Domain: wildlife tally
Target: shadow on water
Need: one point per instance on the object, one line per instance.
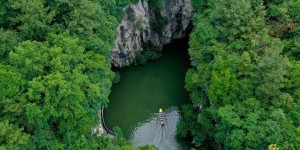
(136, 99)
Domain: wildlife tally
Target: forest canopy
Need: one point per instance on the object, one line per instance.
(55, 72)
(244, 84)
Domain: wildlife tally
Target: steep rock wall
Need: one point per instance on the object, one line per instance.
(146, 27)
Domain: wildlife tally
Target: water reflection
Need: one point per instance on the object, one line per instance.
(151, 132)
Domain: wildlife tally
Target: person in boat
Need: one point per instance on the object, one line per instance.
(161, 117)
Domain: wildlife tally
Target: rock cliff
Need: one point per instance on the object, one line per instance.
(147, 27)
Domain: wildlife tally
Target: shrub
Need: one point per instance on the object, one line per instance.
(141, 59)
(152, 55)
(117, 78)
(140, 25)
(147, 56)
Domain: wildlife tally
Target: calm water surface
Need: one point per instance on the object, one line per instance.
(136, 99)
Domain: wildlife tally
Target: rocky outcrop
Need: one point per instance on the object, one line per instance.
(147, 27)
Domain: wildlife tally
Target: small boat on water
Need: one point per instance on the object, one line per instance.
(162, 118)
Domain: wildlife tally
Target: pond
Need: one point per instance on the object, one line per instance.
(136, 99)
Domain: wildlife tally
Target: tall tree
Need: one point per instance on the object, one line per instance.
(8, 39)
(33, 18)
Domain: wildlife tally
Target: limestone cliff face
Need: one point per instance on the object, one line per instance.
(147, 27)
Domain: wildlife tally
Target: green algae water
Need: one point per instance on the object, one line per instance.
(136, 99)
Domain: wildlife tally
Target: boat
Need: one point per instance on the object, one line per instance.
(162, 118)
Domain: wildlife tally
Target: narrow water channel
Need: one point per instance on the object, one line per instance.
(136, 99)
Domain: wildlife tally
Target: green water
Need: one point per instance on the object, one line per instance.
(136, 99)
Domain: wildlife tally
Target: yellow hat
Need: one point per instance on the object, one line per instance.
(160, 110)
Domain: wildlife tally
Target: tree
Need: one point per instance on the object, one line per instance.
(12, 137)
(88, 20)
(33, 18)
(55, 72)
(8, 40)
(240, 80)
(12, 133)
(62, 100)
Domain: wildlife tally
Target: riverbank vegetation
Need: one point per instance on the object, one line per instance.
(120, 142)
(55, 72)
(147, 56)
(245, 79)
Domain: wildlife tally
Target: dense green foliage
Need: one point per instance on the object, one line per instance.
(157, 21)
(55, 73)
(117, 77)
(245, 79)
(147, 56)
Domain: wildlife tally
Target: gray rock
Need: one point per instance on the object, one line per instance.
(144, 27)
